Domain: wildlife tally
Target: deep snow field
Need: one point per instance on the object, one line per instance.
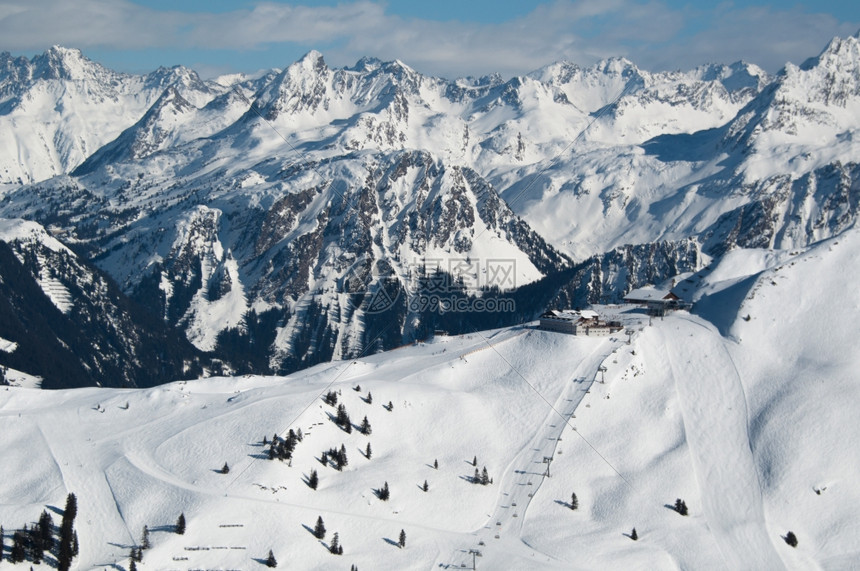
(747, 409)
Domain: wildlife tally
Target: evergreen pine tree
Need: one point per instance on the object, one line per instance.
(633, 535)
(791, 539)
(180, 524)
(37, 546)
(342, 454)
(313, 480)
(265, 441)
(2, 542)
(368, 451)
(68, 537)
(574, 503)
(365, 426)
(319, 529)
(402, 541)
(485, 477)
(64, 555)
(369, 398)
(144, 538)
(475, 461)
(324, 458)
(436, 464)
(299, 435)
(18, 553)
(132, 566)
(270, 560)
(384, 492)
(477, 477)
(426, 486)
(225, 469)
(76, 547)
(71, 510)
(390, 406)
(335, 545)
(46, 529)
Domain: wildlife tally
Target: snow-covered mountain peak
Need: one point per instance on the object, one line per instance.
(616, 66)
(735, 77)
(65, 63)
(840, 54)
(312, 61)
(366, 64)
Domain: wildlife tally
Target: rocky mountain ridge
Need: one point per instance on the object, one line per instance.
(297, 217)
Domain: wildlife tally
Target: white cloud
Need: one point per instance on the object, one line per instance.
(652, 34)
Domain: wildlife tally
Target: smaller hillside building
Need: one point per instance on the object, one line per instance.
(656, 301)
(584, 323)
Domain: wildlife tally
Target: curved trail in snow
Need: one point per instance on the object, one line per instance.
(714, 410)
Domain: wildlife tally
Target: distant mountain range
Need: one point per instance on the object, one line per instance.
(308, 213)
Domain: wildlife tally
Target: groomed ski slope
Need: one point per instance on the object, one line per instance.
(746, 410)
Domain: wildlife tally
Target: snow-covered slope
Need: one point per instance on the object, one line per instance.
(753, 431)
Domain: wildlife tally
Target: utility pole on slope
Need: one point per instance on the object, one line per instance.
(475, 553)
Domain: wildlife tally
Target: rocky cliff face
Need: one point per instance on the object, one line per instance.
(71, 324)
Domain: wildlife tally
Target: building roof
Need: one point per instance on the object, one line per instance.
(565, 314)
(646, 294)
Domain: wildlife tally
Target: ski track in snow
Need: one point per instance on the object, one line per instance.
(523, 477)
(719, 441)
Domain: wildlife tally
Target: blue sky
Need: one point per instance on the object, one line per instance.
(442, 37)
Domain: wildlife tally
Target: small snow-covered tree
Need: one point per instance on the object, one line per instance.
(319, 529)
(475, 461)
(368, 451)
(144, 538)
(485, 477)
(369, 398)
(225, 469)
(791, 539)
(402, 541)
(270, 560)
(335, 545)
(574, 502)
(436, 464)
(633, 535)
(426, 486)
(180, 525)
(313, 480)
(681, 506)
(365, 427)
